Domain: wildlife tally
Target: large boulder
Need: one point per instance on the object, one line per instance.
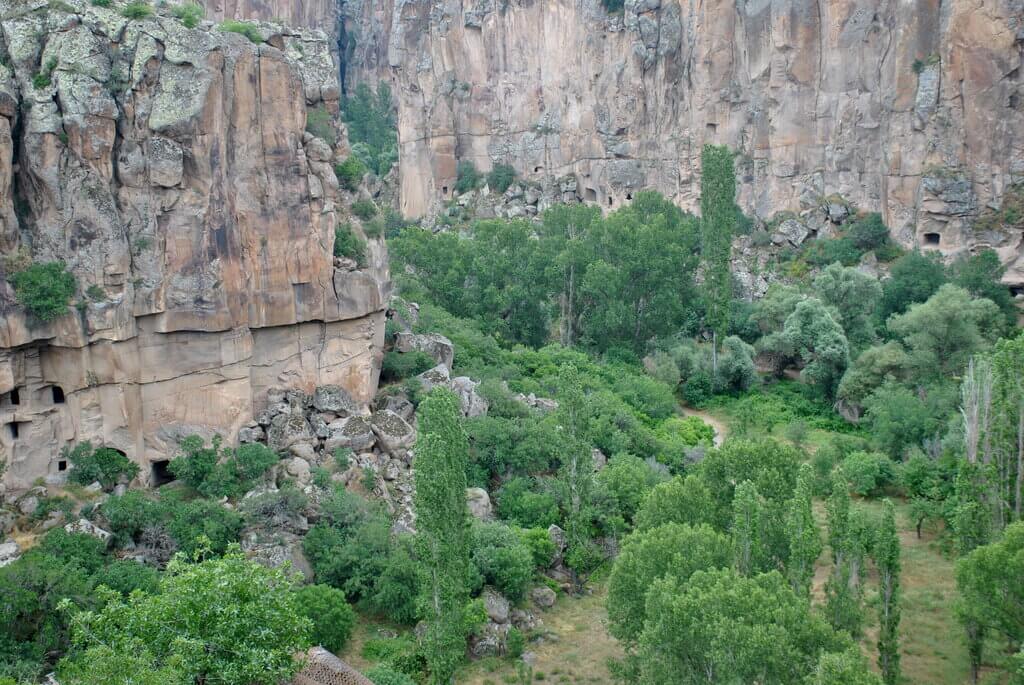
(543, 596)
(335, 399)
(354, 433)
(288, 429)
(9, 552)
(472, 403)
(437, 377)
(496, 606)
(393, 433)
(790, 231)
(276, 548)
(479, 503)
(436, 346)
(88, 528)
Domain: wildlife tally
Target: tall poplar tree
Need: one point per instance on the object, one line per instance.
(746, 528)
(576, 476)
(804, 540)
(442, 523)
(887, 559)
(717, 226)
(842, 592)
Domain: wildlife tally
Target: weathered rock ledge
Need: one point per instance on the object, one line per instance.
(171, 170)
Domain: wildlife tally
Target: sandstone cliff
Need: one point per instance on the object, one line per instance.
(170, 169)
(914, 109)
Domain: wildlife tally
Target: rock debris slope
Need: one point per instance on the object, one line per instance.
(170, 169)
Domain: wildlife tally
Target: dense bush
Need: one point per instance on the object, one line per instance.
(333, 619)
(190, 13)
(401, 365)
(202, 523)
(519, 503)
(540, 544)
(501, 559)
(350, 173)
(221, 473)
(44, 289)
(349, 245)
(868, 472)
(129, 514)
(382, 675)
(126, 576)
(137, 9)
(501, 177)
(467, 175)
(628, 479)
(868, 232)
(364, 209)
(104, 465)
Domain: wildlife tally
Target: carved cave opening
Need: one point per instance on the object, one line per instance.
(932, 239)
(160, 473)
(57, 393)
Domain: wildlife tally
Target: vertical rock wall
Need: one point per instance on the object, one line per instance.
(171, 171)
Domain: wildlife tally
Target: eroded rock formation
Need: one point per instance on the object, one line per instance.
(170, 169)
(912, 109)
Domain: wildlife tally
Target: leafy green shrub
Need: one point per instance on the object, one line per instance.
(100, 3)
(520, 504)
(190, 13)
(199, 523)
(868, 232)
(400, 365)
(128, 576)
(130, 514)
(501, 559)
(250, 31)
(868, 472)
(221, 473)
(501, 177)
(628, 479)
(137, 9)
(78, 549)
(467, 177)
(349, 245)
(44, 289)
(333, 619)
(283, 504)
(364, 209)
(102, 464)
(320, 123)
(697, 388)
(825, 251)
(515, 643)
(350, 173)
(44, 78)
(540, 544)
(382, 675)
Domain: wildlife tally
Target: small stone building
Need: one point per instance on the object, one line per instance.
(323, 668)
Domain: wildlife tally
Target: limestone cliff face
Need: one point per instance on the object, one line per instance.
(170, 169)
(912, 108)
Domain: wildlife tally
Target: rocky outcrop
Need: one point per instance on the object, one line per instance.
(915, 112)
(170, 169)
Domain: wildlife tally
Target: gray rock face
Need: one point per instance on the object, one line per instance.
(543, 597)
(436, 346)
(790, 231)
(437, 377)
(9, 553)
(496, 605)
(336, 399)
(479, 503)
(288, 429)
(393, 433)
(470, 401)
(88, 528)
(354, 433)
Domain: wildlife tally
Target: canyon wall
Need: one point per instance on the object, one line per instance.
(170, 170)
(913, 108)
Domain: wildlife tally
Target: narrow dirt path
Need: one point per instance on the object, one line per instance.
(721, 431)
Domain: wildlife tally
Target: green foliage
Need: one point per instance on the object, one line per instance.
(128, 576)
(350, 173)
(680, 500)
(217, 472)
(887, 559)
(501, 177)
(201, 524)
(748, 550)
(847, 542)
(467, 177)
(252, 32)
(540, 544)
(628, 479)
(442, 522)
(129, 514)
(817, 339)
(501, 559)
(868, 232)
(401, 365)
(190, 14)
(740, 629)
(989, 582)
(372, 128)
(44, 77)
(278, 506)
(332, 618)
(981, 275)
(671, 550)
(822, 251)
(100, 3)
(855, 296)
(520, 503)
(914, 278)
(104, 465)
(717, 227)
(382, 675)
(364, 209)
(44, 289)
(612, 5)
(137, 9)
(348, 244)
(868, 472)
(225, 618)
(802, 530)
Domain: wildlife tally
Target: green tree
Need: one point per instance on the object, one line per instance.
(721, 627)
(680, 500)
(442, 522)
(564, 249)
(842, 589)
(914, 278)
(628, 479)
(332, 617)
(855, 296)
(717, 227)
(1006, 428)
(887, 559)
(872, 368)
(746, 529)
(673, 549)
(576, 476)
(981, 275)
(372, 127)
(816, 337)
(989, 580)
(226, 619)
(804, 539)
(843, 668)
